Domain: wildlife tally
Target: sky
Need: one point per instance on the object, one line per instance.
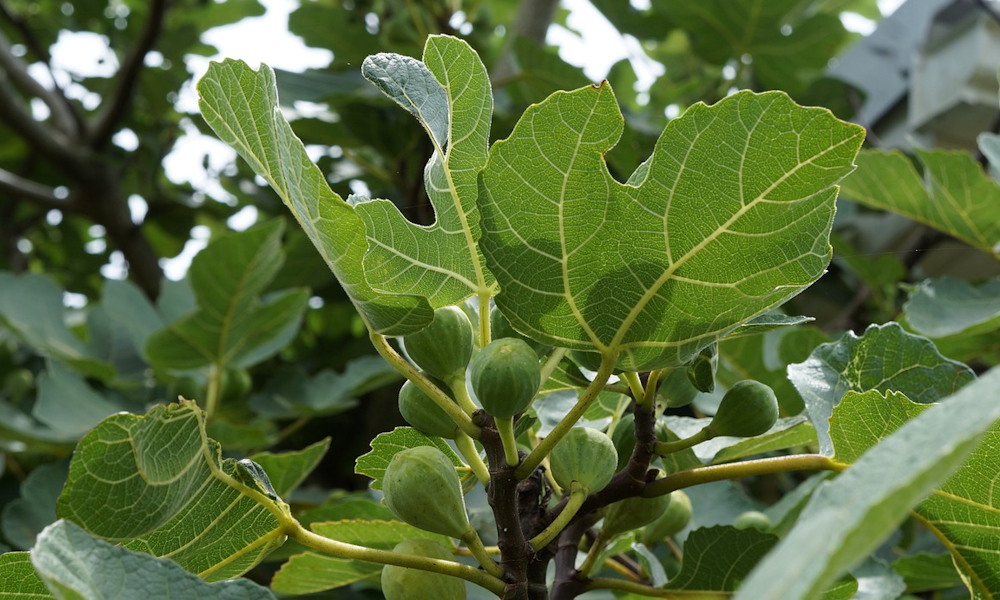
(590, 42)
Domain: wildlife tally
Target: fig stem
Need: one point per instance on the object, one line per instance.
(590, 561)
(297, 532)
(505, 427)
(457, 385)
(664, 448)
(485, 334)
(577, 495)
(468, 449)
(471, 539)
(587, 397)
(399, 363)
(551, 362)
(613, 583)
(649, 399)
(634, 385)
(747, 468)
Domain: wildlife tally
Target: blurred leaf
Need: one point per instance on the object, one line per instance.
(232, 97)
(768, 321)
(952, 195)
(884, 358)
(157, 484)
(31, 306)
(848, 517)
(25, 517)
(75, 565)
(927, 572)
(876, 581)
(787, 433)
(128, 306)
(233, 326)
(67, 404)
(386, 445)
(946, 306)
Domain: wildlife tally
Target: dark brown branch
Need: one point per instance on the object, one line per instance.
(27, 34)
(128, 76)
(27, 189)
(17, 71)
(51, 143)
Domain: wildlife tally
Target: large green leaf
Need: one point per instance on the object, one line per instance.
(449, 94)
(851, 515)
(157, 484)
(310, 572)
(233, 325)
(18, 579)
(241, 105)
(729, 218)
(68, 404)
(963, 513)
(25, 517)
(884, 358)
(946, 306)
(77, 566)
(953, 194)
(31, 306)
(719, 558)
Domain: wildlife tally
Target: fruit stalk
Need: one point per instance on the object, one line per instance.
(588, 396)
(505, 427)
(469, 451)
(577, 495)
(747, 468)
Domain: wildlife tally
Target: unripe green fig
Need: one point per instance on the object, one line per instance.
(753, 519)
(401, 583)
(674, 519)
(701, 370)
(749, 408)
(633, 513)
(623, 437)
(423, 413)
(584, 455)
(444, 347)
(505, 376)
(422, 488)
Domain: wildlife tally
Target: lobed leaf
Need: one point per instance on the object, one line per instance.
(449, 94)
(157, 484)
(241, 106)
(75, 565)
(719, 558)
(848, 517)
(884, 358)
(386, 445)
(728, 218)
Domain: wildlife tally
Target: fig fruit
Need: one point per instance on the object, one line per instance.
(423, 413)
(674, 519)
(584, 455)
(422, 488)
(632, 513)
(749, 408)
(753, 519)
(402, 583)
(701, 370)
(505, 376)
(444, 347)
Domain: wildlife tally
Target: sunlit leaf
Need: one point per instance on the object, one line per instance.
(729, 218)
(241, 105)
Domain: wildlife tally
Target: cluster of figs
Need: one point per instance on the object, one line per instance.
(421, 484)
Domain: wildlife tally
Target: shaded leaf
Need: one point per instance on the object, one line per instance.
(953, 194)
(68, 404)
(241, 105)
(232, 326)
(851, 515)
(26, 516)
(687, 251)
(156, 483)
(925, 572)
(31, 306)
(719, 558)
(884, 358)
(946, 306)
(287, 470)
(75, 565)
